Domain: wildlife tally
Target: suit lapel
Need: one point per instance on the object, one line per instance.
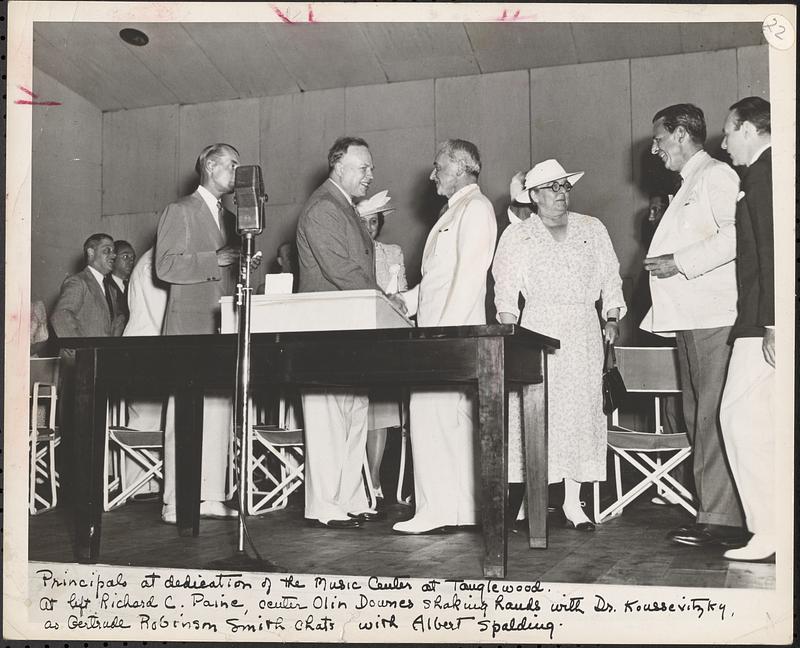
(98, 293)
(209, 224)
(448, 216)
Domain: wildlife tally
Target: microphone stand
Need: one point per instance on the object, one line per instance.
(240, 560)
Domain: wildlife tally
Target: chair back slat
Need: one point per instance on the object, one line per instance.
(649, 369)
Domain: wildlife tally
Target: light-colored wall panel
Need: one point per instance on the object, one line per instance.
(138, 229)
(591, 136)
(139, 156)
(232, 122)
(493, 112)
(296, 132)
(403, 159)
(707, 79)
(66, 176)
(392, 106)
(753, 70)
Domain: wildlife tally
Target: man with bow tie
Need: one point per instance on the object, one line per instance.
(693, 291)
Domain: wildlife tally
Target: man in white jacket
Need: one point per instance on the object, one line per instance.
(457, 255)
(693, 290)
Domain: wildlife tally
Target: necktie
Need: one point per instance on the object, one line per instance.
(107, 290)
(220, 211)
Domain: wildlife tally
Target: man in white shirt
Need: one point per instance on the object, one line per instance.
(693, 290)
(456, 258)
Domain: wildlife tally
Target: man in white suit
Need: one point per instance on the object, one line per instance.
(452, 292)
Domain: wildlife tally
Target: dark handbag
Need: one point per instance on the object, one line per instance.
(613, 385)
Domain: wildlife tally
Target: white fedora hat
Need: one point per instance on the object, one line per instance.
(545, 173)
(380, 202)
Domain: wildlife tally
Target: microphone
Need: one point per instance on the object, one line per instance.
(249, 197)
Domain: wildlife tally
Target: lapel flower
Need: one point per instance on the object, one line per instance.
(740, 196)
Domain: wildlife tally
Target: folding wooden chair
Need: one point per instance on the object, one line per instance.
(651, 370)
(43, 435)
(143, 447)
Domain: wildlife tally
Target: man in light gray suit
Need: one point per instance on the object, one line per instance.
(194, 256)
(335, 252)
(83, 309)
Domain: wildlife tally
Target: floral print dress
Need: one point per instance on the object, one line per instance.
(561, 282)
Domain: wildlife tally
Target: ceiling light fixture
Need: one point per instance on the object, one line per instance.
(134, 37)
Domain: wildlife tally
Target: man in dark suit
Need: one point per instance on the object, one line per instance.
(82, 309)
(335, 252)
(116, 281)
(747, 410)
(195, 257)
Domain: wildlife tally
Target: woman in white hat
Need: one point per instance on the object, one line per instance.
(562, 263)
(390, 273)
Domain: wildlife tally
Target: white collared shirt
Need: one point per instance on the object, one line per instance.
(98, 276)
(118, 281)
(212, 202)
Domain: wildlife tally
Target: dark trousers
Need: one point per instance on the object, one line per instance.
(703, 356)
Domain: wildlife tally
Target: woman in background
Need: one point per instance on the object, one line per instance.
(562, 263)
(390, 273)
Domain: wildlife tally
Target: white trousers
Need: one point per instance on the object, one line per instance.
(336, 444)
(217, 429)
(747, 417)
(443, 447)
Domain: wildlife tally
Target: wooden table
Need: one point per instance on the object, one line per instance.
(481, 358)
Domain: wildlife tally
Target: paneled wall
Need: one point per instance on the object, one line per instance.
(592, 117)
(65, 176)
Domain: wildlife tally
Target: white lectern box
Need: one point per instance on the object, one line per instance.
(316, 311)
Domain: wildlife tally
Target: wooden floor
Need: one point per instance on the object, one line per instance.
(629, 550)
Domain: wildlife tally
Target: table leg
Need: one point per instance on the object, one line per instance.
(188, 458)
(87, 457)
(492, 434)
(534, 425)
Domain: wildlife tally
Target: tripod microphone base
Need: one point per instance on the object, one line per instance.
(240, 561)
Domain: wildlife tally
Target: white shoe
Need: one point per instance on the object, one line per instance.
(168, 515)
(416, 526)
(759, 549)
(216, 510)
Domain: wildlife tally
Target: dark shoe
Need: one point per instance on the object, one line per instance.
(730, 537)
(435, 531)
(581, 526)
(693, 535)
(368, 516)
(146, 497)
(336, 524)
